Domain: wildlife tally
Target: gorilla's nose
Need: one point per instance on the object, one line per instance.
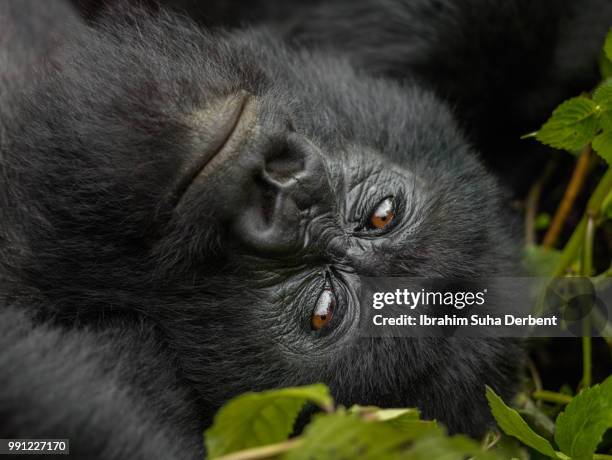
(289, 186)
(264, 184)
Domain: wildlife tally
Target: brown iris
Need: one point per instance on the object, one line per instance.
(324, 310)
(383, 215)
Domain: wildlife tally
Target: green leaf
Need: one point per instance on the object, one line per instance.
(602, 144)
(605, 66)
(257, 419)
(608, 45)
(510, 448)
(606, 207)
(580, 427)
(447, 448)
(540, 261)
(572, 125)
(377, 414)
(603, 94)
(603, 98)
(513, 424)
(346, 435)
(405, 420)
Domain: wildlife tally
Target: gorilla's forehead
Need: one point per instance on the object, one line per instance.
(338, 107)
(154, 77)
(343, 110)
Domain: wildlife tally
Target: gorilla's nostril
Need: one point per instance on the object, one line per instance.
(284, 164)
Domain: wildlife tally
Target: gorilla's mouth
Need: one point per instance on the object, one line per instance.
(215, 127)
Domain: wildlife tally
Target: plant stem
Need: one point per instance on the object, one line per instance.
(586, 356)
(535, 375)
(573, 188)
(551, 396)
(602, 457)
(532, 203)
(586, 270)
(587, 252)
(490, 440)
(572, 248)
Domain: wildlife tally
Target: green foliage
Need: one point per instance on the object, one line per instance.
(513, 424)
(605, 66)
(257, 426)
(603, 94)
(399, 418)
(447, 448)
(262, 422)
(583, 119)
(603, 98)
(605, 60)
(606, 207)
(608, 45)
(345, 435)
(602, 144)
(256, 419)
(578, 430)
(586, 418)
(573, 125)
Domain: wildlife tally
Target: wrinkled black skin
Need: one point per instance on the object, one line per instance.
(130, 314)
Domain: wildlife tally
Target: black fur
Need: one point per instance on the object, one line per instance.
(503, 66)
(110, 391)
(141, 311)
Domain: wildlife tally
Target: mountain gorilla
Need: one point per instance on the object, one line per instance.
(185, 215)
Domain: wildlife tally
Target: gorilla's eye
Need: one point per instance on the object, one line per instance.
(383, 215)
(324, 310)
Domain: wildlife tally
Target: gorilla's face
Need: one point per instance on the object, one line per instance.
(233, 193)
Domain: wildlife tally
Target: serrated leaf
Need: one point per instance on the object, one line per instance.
(572, 125)
(603, 98)
(608, 45)
(346, 435)
(257, 419)
(602, 144)
(605, 120)
(580, 427)
(603, 94)
(513, 424)
(540, 261)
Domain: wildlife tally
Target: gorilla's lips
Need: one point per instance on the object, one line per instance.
(214, 128)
